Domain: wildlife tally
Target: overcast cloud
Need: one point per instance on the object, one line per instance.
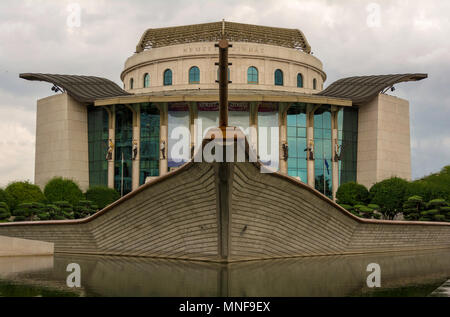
(410, 36)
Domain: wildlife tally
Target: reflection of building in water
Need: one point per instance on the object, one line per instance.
(170, 83)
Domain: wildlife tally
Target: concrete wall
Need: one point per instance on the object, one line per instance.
(383, 140)
(20, 247)
(180, 58)
(61, 140)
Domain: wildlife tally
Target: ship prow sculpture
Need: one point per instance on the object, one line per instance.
(229, 210)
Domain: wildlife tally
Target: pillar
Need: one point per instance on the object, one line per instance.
(111, 138)
(193, 115)
(334, 144)
(310, 110)
(135, 109)
(282, 122)
(164, 139)
(253, 124)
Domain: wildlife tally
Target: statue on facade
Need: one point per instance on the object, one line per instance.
(310, 150)
(285, 151)
(134, 152)
(163, 150)
(337, 152)
(109, 153)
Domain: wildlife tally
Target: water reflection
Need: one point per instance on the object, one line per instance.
(417, 274)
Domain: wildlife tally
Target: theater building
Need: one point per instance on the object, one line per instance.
(97, 133)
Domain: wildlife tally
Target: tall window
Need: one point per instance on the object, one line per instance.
(98, 137)
(279, 77)
(300, 80)
(131, 83)
(194, 75)
(179, 135)
(146, 80)
(252, 75)
(123, 146)
(150, 149)
(348, 142)
(314, 84)
(268, 136)
(167, 77)
(323, 150)
(296, 133)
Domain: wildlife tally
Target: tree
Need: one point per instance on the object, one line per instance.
(102, 196)
(413, 207)
(390, 195)
(24, 192)
(85, 208)
(352, 194)
(6, 198)
(60, 189)
(4, 212)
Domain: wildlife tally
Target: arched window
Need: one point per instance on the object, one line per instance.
(131, 83)
(167, 77)
(146, 80)
(252, 75)
(194, 75)
(300, 80)
(279, 77)
(314, 84)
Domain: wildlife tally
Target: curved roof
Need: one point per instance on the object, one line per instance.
(362, 89)
(234, 32)
(85, 89)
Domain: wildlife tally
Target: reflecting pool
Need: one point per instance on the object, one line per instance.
(402, 274)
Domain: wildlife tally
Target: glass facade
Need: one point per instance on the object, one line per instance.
(124, 144)
(150, 130)
(239, 116)
(296, 134)
(194, 75)
(208, 115)
(348, 142)
(179, 135)
(252, 75)
(98, 134)
(323, 150)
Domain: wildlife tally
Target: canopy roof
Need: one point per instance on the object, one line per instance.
(361, 89)
(234, 32)
(85, 89)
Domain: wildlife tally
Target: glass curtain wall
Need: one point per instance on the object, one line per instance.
(150, 130)
(348, 142)
(124, 144)
(239, 116)
(98, 134)
(179, 135)
(323, 150)
(296, 134)
(208, 116)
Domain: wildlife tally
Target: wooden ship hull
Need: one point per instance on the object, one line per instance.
(226, 212)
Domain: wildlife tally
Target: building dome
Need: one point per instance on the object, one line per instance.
(184, 57)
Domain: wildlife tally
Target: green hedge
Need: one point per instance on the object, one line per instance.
(102, 196)
(24, 192)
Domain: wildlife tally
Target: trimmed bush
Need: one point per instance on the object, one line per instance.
(85, 208)
(348, 207)
(352, 194)
(24, 192)
(412, 208)
(102, 196)
(66, 210)
(60, 189)
(4, 211)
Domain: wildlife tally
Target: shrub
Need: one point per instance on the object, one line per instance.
(4, 211)
(6, 198)
(389, 195)
(348, 207)
(352, 194)
(66, 210)
(364, 211)
(60, 189)
(102, 196)
(413, 207)
(24, 192)
(85, 208)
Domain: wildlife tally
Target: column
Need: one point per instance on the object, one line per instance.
(164, 139)
(282, 122)
(253, 124)
(135, 109)
(111, 140)
(334, 145)
(310, 109)
(193, 115)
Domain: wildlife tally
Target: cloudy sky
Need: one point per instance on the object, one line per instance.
(351, 37)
